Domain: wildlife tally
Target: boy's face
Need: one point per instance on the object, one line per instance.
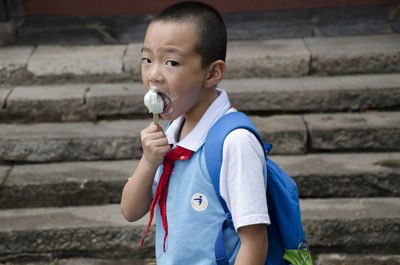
(172, 67)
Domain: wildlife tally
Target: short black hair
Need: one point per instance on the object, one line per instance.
(212, 34)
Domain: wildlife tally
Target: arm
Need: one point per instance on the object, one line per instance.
(137, 193)
(254, 245)
(242, 186)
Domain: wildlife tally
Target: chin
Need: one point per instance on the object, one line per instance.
(172, 114)
(169, 116)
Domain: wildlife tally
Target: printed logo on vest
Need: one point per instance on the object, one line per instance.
(199, 202)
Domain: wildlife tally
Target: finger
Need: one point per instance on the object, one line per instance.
(152, 128)
(156, 127)
(154, 136)
(156, 153)
(147, 135)
(149, 143)
(156, 144)
(160, 142)
(165, 149)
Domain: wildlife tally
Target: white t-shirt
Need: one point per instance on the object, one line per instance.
(241, 179)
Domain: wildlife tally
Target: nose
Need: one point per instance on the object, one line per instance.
(155, 73)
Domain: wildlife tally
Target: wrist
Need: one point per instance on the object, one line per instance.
(149, 164)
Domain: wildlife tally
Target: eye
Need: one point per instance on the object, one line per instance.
(172, 63)
(145, 60)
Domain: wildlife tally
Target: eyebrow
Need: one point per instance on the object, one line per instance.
(144, 49)
(166, 50)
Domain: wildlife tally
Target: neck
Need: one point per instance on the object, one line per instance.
(193, 116)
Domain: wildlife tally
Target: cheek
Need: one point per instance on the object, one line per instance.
(185, 98)
(188, 98)
(143, 71)
(188, 92)
(188, 82)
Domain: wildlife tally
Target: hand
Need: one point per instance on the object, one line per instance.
(155, 145)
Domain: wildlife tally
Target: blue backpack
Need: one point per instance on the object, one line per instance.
(287, 243)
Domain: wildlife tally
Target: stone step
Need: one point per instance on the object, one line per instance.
(322, 259)
(366, 131)
(315, 93)
(262, 58)
(95, 231)
(89, 102)
(331, 225)
(118, 140)
(64, 184)
(48, 260)
(101, 182)
(340, 259)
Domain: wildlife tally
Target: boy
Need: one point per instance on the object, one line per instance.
(183, 59)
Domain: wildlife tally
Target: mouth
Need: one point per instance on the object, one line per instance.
(164, 97)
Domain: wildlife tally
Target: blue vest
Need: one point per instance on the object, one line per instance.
(194, 215)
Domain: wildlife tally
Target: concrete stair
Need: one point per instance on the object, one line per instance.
(100, 182)
(70, 118)
(94, 101)
(263, 58)
(346, 225)
(120, 139)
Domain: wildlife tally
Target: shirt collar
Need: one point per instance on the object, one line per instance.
(196, 138)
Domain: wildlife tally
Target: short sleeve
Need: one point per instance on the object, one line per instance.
(242, 180)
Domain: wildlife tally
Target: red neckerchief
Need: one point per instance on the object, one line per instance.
(179, 153)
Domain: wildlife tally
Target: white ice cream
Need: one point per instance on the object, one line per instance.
(154, 102)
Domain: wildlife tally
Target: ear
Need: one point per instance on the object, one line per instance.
(216, 72)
